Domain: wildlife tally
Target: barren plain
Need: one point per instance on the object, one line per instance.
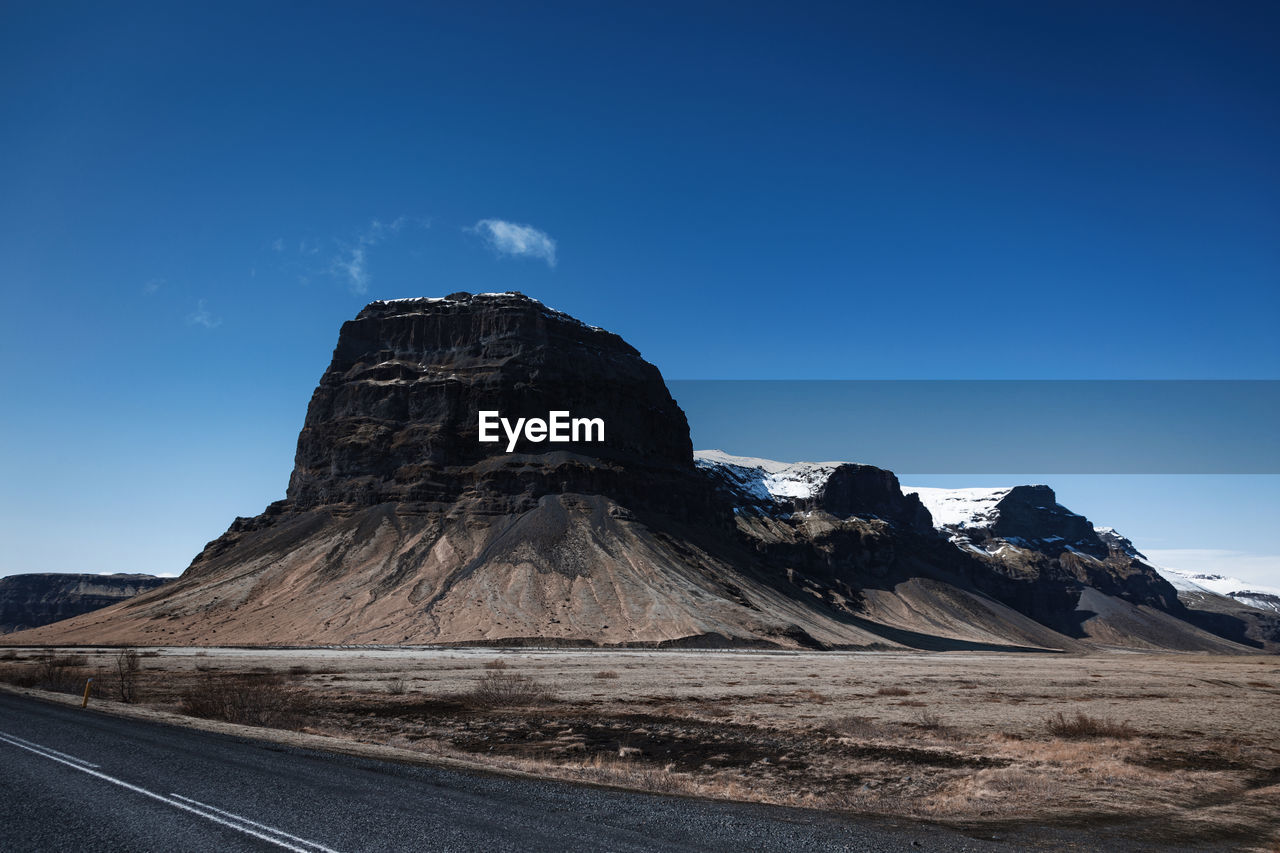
(1177, 749)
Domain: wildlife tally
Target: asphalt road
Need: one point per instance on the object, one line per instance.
(83, 780)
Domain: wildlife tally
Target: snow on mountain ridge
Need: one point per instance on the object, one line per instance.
(968, 517)
(448, 299)
(1198, 583)
(1251, 594)
(766, 479)
(404, 301)
(770, 480)
(1114, 539)
(959, 508)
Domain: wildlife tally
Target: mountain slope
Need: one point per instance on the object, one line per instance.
(1241, 591)
(1226, 606)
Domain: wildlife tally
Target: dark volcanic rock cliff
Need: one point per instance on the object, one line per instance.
(1033, 513)
(31, 600)
(401, 526)
(395, 417)
(867, 491)
(1027, 529)
(842, 489)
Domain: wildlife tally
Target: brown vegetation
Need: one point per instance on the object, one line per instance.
(508, 689)
(1082, 725)
(60, 673)
(892, 691)
(253, 699)
(128, 666)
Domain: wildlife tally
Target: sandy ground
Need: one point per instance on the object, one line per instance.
(1184, 748)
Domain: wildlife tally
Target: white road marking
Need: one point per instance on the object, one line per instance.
(70, 761)
(47, 749)
(243, 819)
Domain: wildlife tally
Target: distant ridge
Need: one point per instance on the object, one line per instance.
(32, 600)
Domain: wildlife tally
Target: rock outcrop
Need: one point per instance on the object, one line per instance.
(1027, 530)
(32, 600)
(867, 492)
(841, 489)
(395, 417)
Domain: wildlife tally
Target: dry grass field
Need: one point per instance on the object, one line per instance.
(1181, 748)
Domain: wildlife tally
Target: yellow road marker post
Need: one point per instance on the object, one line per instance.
(87, 684)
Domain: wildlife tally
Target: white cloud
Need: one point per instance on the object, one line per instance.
(202, 317)
(352, 263)
(510, 238)
(152, 286)
(379, 231)
(277, 244)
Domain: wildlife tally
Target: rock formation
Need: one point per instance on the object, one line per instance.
(31, 600)
(394, 419)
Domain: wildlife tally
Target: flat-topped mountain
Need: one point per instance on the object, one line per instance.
(401, 525)
(395, 416)
(31, 600)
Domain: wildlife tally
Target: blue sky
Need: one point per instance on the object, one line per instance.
(197, 195)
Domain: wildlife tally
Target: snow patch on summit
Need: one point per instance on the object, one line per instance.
(765, 479)
(959, 508)
(408, 301)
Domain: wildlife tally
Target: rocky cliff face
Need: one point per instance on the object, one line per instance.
(31, 600)
(1028, 531)
(401, 526)
(1032, 513)
(841, 489)
(395, 416)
